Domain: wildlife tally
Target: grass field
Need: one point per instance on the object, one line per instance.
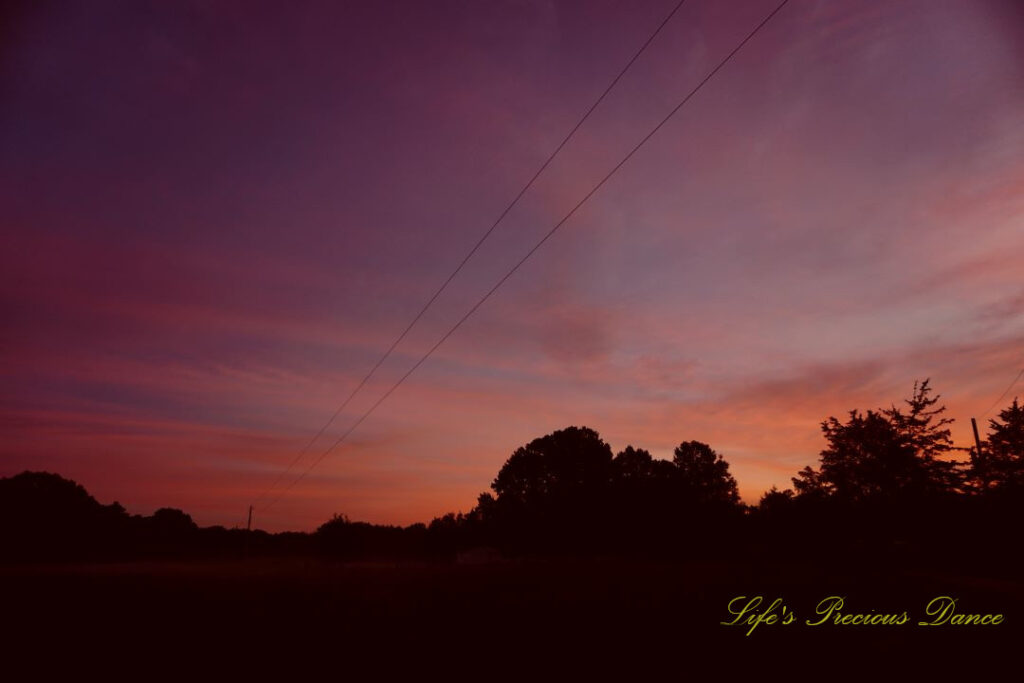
(545, 616)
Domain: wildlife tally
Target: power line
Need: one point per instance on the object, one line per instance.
(1003, 395)
(530, 253)
(458, 269)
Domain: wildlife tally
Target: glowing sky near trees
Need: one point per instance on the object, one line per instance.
(216, 216)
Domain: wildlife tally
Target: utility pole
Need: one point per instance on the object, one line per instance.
(248, 527)
(977, 439)
(248, 533)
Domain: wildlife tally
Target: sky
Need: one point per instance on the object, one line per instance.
(216, 216)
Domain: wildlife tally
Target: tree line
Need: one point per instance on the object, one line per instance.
(889, 480)
(880, 469)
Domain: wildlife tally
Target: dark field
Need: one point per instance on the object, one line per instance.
(544, 618)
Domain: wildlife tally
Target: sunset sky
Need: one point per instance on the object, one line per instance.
(218, 215)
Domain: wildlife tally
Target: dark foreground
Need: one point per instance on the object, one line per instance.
(545, 619)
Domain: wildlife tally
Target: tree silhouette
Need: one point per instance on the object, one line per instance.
(173, 522)
(866, 459)
(44, 515)
(562, 467)
(1000, 466)
(809, 484)
(776, 502)
(703, 475)
(632, 464)
(891, 454)
(643, 492)
(930, 440)
(553, 492)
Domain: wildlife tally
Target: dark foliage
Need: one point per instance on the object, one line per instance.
(703, 476)
(888, 455)
(564, 492)
(44, 516)
(923, 427)
(886, 487)
(999, 468)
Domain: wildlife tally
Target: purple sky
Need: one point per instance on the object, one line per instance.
(217, 216)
